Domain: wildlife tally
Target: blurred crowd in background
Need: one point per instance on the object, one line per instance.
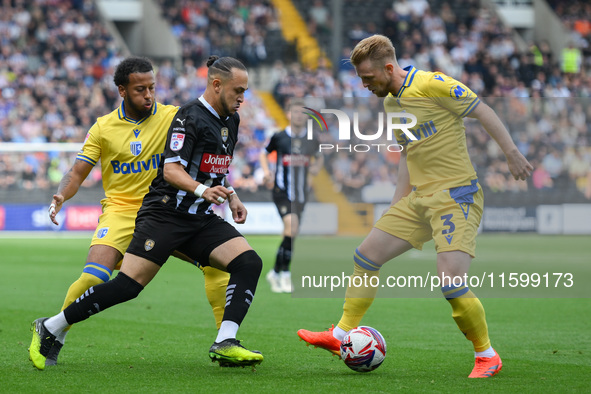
(57, 62)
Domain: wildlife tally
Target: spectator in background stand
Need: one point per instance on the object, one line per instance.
(319, 16)
(571, 59)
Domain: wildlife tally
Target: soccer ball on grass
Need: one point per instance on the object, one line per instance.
(363, 349)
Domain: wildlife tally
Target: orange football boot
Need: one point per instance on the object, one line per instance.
(323, 339)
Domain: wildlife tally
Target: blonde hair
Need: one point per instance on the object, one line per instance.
(375, 48)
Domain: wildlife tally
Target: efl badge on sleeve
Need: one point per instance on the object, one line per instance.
(224, 132)
(84, 143)
(176, 141)
(135, 147)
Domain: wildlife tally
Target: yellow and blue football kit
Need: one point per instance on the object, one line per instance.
(446, 201)
(129, 152)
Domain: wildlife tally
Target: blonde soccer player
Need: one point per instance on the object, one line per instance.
(437, 195)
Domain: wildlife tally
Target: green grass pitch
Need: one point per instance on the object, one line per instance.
(158, 342)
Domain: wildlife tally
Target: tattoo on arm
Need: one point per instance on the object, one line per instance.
(65, 182)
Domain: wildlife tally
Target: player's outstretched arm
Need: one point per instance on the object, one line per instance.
(68, 187)
(518, 165)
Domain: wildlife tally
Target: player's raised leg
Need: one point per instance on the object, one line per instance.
(378, 248)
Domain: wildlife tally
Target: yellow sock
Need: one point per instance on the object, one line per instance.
(469, 315)
(216, 282)
(360, 294)
(93, 274)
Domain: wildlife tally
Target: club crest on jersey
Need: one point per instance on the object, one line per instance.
(102, 232)
(176, 141)
(149, 244)
(135, 147)
(224, 132)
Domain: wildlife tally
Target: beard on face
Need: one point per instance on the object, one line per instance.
(139, 110)
(228, 110)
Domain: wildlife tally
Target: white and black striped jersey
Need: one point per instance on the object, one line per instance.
(294, 155)
(204, 144)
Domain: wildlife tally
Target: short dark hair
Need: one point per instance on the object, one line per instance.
(222, 66)
(131, 65)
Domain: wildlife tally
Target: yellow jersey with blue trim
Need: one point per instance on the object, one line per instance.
(437, 157)
(129, 151)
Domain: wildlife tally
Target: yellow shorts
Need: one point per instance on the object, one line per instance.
(115, 229)
(449, 217)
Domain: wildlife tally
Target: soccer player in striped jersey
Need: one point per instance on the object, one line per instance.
(177, 214)
(128, 143)
(296, 158)
(437, 195)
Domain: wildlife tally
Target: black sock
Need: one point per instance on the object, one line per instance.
(100, 297)
(286, 250)
(244, 274)
(283, 259)
(278, 260)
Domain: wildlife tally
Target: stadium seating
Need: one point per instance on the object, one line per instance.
(57, 62)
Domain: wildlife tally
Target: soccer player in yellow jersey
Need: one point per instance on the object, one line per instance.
(437, 195)
(128, 143)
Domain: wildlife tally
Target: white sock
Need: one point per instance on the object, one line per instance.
(228, 329)
(490, 352)
(62, 337)
(339, 333)
(56, 324)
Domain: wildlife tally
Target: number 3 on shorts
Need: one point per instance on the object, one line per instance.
(447, 222)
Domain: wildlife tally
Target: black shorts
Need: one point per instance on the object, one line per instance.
(159, 232)
(285, 206)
